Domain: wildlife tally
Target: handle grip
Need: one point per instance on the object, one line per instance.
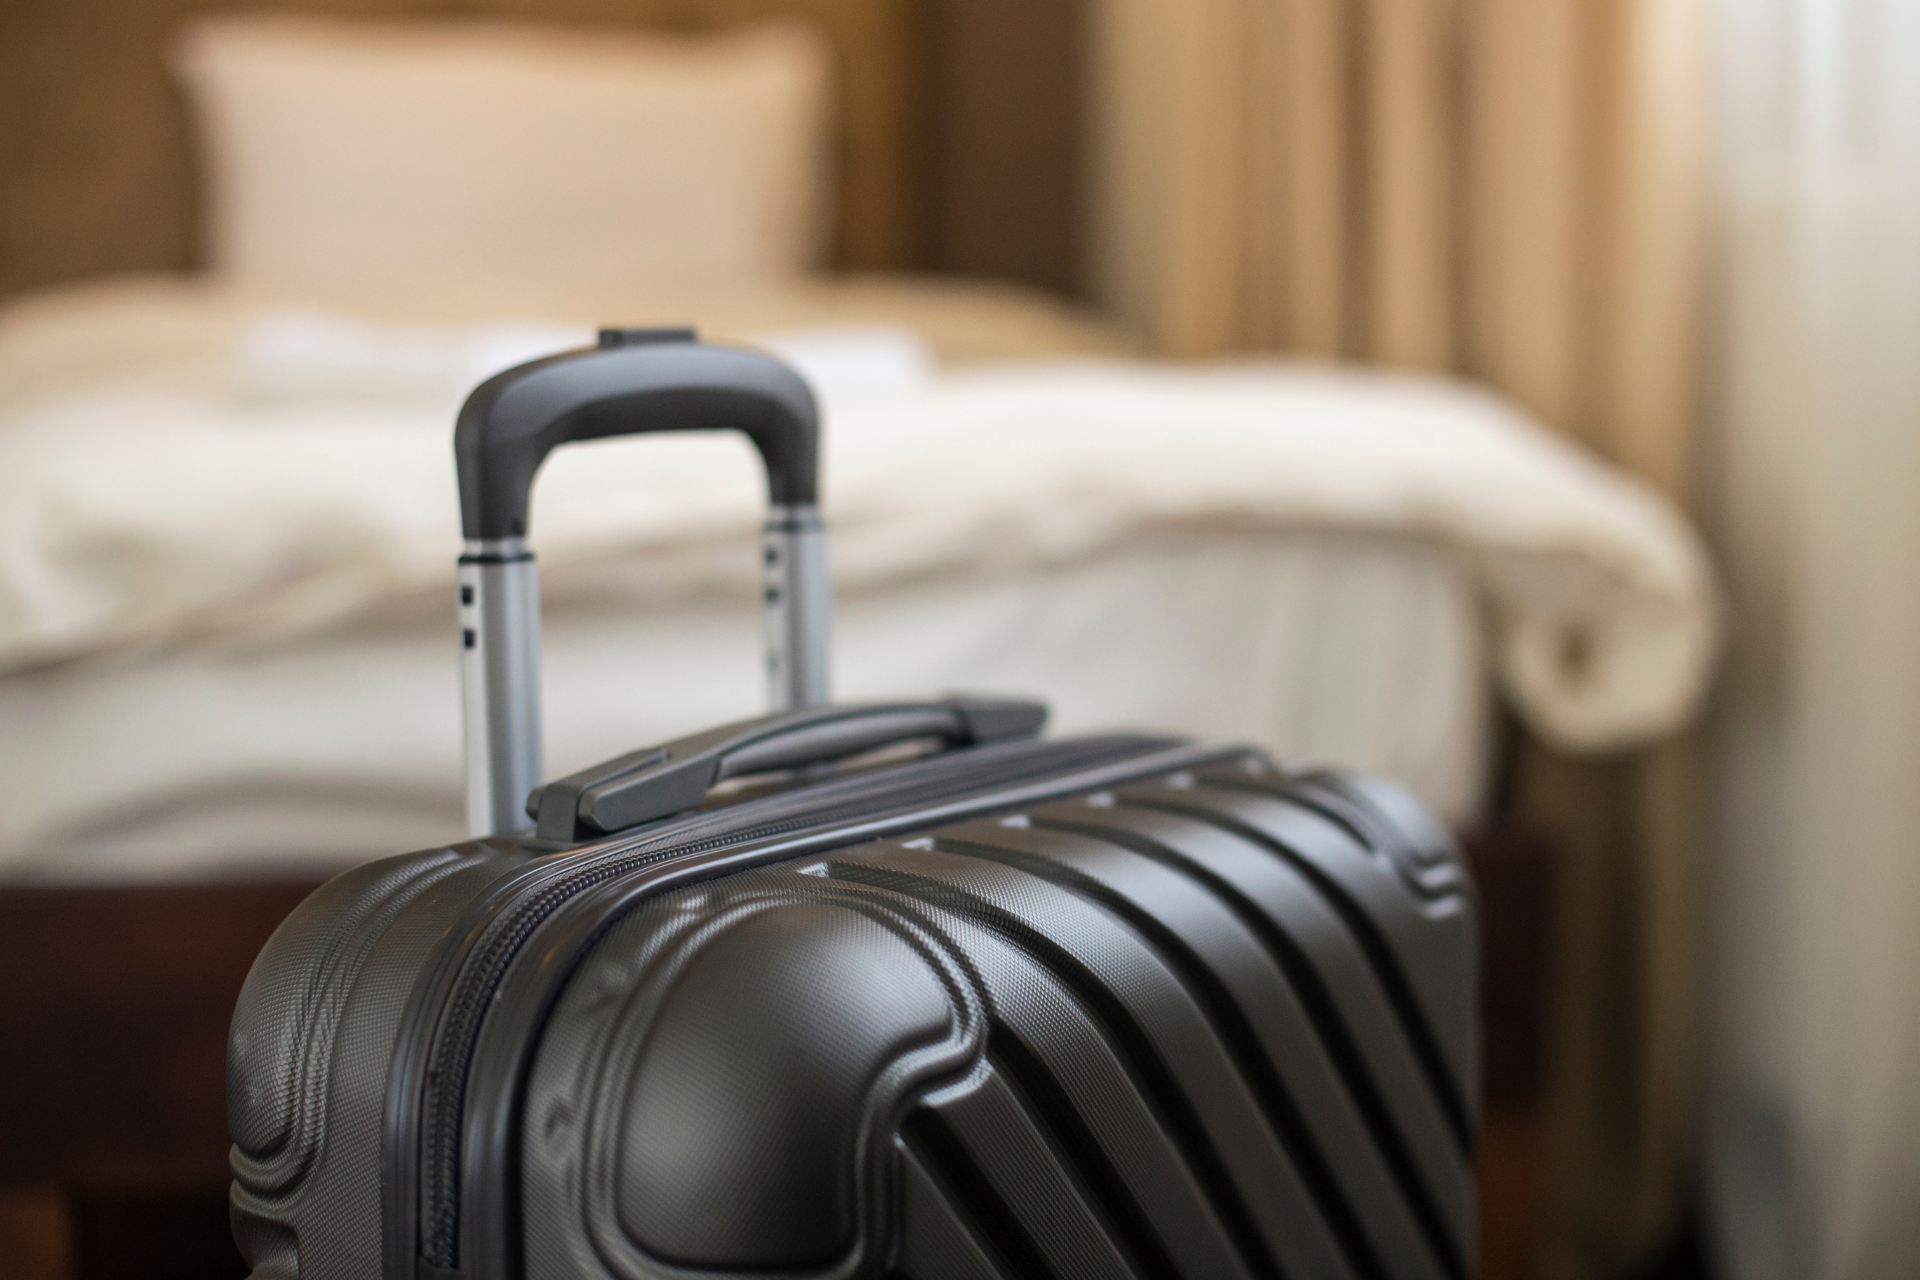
(634, 382)
(654, 782)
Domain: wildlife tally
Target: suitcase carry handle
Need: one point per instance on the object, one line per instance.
(634, 381)
(655, 782)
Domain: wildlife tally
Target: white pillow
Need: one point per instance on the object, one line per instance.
(385, 153)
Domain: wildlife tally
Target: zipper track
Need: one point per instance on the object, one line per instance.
(485, 966)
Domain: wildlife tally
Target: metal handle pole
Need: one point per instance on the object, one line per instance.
(634, 382)
(500, 683)
(799, 601)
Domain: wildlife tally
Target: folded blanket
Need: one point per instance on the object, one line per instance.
(302, 353)
(186, 499)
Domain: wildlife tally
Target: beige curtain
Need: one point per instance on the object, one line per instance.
(1511, 190)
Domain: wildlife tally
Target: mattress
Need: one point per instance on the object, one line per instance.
(298, 758)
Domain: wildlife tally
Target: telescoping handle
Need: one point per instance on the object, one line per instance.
(634, 381)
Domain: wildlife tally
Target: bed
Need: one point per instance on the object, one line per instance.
(227, 643)
(199, 711)
(226, 640)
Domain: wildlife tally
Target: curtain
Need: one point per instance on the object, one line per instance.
(1507, 189)
(1814, 1129)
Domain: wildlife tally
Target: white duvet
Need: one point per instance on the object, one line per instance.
(170, 489)
(227, 533)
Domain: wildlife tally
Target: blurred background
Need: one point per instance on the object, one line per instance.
(1516, 397)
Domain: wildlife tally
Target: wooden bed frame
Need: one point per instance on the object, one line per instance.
(959, 140)
(114, 1012)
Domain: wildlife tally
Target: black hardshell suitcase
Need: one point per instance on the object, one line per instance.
(1103, 1006)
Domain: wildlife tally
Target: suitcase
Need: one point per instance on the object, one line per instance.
(851, 990)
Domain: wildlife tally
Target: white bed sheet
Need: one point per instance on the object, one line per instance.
(298, 757)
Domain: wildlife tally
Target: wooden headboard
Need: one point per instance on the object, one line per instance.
(958, 138)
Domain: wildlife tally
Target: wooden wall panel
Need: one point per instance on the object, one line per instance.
(96, 170)
(958, 131)
(1004, 140)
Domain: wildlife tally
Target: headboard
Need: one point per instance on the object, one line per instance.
(958, 141)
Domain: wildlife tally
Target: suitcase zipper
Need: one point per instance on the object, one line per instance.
(496, 943)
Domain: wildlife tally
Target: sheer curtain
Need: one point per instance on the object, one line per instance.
(1814, 1150)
